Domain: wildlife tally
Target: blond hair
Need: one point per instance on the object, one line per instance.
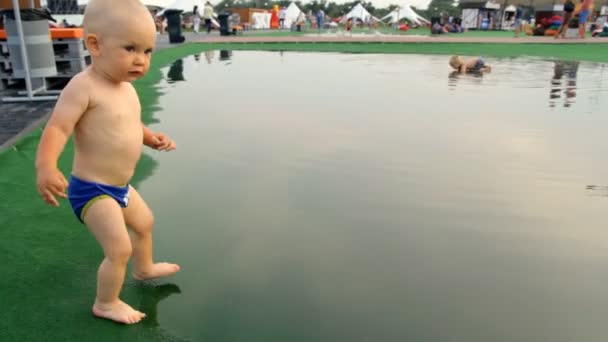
(455, 62)
(103, 16)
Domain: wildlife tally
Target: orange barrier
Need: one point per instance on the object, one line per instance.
(66, 33)
(57, 33)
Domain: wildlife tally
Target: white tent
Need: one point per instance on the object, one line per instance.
(405, 12)
(358, 12)
(291, 14)
(261, 21)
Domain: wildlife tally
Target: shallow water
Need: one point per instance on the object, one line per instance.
(337, 197)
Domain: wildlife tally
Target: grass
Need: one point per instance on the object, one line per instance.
(557, 51)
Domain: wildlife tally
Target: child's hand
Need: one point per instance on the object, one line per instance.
(51, 183)
(161, 142)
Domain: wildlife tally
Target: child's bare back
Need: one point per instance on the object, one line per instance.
(475, 64)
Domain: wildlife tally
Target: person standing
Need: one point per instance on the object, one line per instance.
(519, 15)
(196, 19)
(282, 15)
(320, 18)
(208, 16)
(568, 10)
(583, 16)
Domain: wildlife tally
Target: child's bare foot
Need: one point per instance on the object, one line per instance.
(119, 312)
(158, 270)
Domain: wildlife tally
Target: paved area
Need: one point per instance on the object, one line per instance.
(19, 118)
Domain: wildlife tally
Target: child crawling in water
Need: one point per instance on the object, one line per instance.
(475, 64)
(101, 108)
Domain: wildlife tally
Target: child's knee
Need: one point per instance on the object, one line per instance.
(144, 224)
(120, 253)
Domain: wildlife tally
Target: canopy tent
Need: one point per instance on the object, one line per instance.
(358, 12)
(291, 14)
(260, 20)
(405, 12)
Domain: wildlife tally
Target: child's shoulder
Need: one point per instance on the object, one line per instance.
(81, 80)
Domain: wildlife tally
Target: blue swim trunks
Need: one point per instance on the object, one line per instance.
(82, 194)
(479, 65)
(583, 15)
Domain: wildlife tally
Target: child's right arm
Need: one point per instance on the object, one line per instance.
(72, 103)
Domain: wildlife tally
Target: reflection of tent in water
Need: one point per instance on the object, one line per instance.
(176, 71)
(405, 12)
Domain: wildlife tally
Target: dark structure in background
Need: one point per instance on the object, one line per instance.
(174, 26)
(64, 7)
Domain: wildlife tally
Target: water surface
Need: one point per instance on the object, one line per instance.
(337, 197)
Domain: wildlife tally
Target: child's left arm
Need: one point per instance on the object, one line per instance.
(157, 140)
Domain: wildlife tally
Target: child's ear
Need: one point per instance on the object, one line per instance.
(92, 43)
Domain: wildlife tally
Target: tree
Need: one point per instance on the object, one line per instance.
(438, 8)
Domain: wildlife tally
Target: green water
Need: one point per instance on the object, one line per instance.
(335, 197)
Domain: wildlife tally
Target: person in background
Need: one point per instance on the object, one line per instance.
(320, 18)
(208, 16)
(282, 15)
(583, 16)
(569, 7)
(519, 15)
(196, 19)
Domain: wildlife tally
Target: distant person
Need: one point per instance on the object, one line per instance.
(301, 21)
(320, 19)
(437, 28)
(569, 7)
(519, 16)
(583, 16)
(100, 107)
(196, 20)
(282, 15)
(475, 64)
(208, 16)
(349, 25)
